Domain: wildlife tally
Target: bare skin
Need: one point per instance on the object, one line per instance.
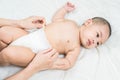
(47, 57)
(67, 35)
(11, 34)
(11, 30)
(69, 45)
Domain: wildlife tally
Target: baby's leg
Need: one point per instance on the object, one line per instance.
(9, 34)
(16, 55)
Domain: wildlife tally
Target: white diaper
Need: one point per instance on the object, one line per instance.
(36, 41)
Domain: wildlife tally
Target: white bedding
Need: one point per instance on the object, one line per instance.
(102, 63)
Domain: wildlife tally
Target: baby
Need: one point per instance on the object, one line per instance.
(64, 35)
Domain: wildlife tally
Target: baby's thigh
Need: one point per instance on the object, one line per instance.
(9, 34)
(17, 55)
(2, 45)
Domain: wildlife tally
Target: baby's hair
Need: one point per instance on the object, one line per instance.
(100, 20)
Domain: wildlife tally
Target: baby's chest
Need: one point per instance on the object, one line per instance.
(64, 45)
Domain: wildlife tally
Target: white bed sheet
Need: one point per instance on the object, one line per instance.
(102, 63)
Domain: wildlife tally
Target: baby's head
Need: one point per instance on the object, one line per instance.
(94, 32)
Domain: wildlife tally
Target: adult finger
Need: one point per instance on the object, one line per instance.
(41, 20)
(44, 21)
(40, 23)
(46, 50)
(55, 56)
(52, 52)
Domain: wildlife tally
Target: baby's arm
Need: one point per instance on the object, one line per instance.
(59, 15)
(68, 61)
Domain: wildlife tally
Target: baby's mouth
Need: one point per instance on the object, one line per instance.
(88, 42)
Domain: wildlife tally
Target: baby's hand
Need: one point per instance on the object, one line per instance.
(69, 7)
(32, 22)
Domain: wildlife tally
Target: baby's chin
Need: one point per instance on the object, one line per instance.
(87, 47)
(83, 45)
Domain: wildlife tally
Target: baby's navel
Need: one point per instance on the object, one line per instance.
(68, 41)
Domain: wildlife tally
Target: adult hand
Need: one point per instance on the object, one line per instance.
(32, 22)
(44, 60)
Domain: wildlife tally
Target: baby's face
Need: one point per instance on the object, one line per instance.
(94, 35)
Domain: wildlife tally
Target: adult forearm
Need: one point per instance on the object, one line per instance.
(42, 61)
(25, 74)
(8, 22)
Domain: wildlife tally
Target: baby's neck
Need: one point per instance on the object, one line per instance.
(80, 32)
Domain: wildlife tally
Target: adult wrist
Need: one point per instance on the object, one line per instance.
(19, 23)
(33, 69)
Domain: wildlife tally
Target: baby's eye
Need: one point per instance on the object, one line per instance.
(97, 35)
(97, 43)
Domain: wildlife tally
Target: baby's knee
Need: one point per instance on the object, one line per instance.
(5, 36)
(7, 53)
(2, 45)
(4, 57)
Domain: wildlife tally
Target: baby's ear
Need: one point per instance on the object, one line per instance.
(88, 22)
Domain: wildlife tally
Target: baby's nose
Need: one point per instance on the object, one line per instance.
(92, 41)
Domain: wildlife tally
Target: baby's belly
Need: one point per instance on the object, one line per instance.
(36, 41)
(57, 39)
